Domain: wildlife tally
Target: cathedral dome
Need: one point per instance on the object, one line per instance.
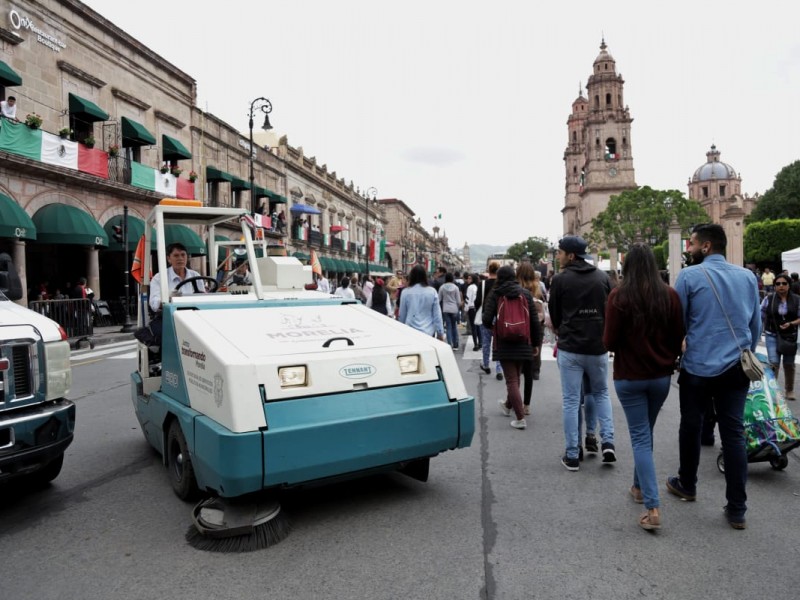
(714, 168)
(604, 56)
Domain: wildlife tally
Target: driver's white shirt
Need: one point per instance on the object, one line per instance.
(174, 279)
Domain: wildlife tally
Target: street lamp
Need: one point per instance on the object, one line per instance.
(370, 194)
(264, 106)
(553, 257)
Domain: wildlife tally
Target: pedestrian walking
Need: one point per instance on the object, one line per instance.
(781, 315)
(526, 276)
(419, 305)
(484, 291)
(644, 329)
(577, 303)
(472, 292)
(722, 313)
(451, 302)
(512, 349)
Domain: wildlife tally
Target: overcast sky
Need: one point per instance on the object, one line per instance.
(460, 108)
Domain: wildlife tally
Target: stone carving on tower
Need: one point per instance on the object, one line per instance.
(598, 158)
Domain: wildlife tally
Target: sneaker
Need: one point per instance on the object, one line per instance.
(580, 454)
(486, 370)
(519, 424)
(591, 443)
(674, 486)
(527, 409)
(609, 455)
(735, 522)
(499, 377)
(570, 464)
(506, 410)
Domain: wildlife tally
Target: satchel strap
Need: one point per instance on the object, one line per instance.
(730, 325)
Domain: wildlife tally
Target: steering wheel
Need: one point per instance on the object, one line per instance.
(193, 280)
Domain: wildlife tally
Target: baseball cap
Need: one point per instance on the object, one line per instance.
(574, 244)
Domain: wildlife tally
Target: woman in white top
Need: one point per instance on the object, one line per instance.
(344, 289)
(469, 304)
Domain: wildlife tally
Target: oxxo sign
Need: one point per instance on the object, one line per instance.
(20, 232)
(19, 21)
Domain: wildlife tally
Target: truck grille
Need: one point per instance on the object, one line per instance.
(17, 382)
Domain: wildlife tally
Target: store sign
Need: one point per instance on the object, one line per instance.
(23, 22)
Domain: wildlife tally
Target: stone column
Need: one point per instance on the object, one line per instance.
(733, 224)
(93, 272)
(19, 263)
(675, 251)
(613, 259)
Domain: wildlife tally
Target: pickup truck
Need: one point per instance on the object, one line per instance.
(36, 419)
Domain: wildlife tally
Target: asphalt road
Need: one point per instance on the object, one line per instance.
(502, 519)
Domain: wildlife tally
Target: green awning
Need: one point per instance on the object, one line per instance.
(301, 256)
(8, 76)
(351, 266)
(214, 174)
(276, 198)
(172, 149)
(327, 263)
(262, 192)
(239, 184)
(86, 110)
(182, 234)
(135, 134)
(64, 224)
(135, 232)
(14, 221)
(341, 265)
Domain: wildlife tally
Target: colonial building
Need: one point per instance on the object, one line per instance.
(718, 188)
(599, 156)
(105, 123)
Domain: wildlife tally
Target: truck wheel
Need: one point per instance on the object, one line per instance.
(46, 474)
(179, 464)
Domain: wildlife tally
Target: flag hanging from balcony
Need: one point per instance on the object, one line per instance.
(46, 147)
(316, 266)
(165, 184)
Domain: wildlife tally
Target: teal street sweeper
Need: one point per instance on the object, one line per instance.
(251, 387)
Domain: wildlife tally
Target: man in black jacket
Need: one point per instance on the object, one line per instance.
(577, 308)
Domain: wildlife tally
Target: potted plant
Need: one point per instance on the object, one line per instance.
(113, 150)
(164, 169)
(192, 176)
(176, 170)
(88, 141)
(33, 120)
(65, 132)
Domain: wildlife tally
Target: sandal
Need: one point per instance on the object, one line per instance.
(651, 520)
(637, 495)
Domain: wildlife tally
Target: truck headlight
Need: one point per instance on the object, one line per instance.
(408, 364)
(58, 373)
(292, 376)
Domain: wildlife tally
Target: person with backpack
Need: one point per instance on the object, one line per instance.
(509, 311)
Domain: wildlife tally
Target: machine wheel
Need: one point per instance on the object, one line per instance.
(46, 474)
(721, 463)
(779, 463)
(179, 464)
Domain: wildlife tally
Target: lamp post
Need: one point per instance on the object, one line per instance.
(370, 194)
(264, 106)
(553, 258)
(128, 326)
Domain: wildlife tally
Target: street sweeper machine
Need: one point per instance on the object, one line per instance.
(269, 384)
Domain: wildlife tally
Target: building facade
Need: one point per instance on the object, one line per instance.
(599, 156)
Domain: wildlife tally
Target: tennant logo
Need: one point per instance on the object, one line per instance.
(361, 371)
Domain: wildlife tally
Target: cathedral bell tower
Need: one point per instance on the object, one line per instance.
(598, 158)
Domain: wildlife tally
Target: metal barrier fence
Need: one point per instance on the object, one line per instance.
(74, 315)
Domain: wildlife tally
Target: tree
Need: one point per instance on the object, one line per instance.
(782, 200)
(764, 241)
(533, 248)
(642, 214)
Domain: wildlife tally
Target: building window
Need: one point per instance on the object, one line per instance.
(611, 149)
(722, 191)
(597, 101)
(574, 137)
(705, 192)
(608, 99)
(213, 193)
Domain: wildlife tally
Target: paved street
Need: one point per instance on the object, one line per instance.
(501, 520)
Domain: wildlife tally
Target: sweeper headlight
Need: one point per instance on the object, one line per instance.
(296, 376)
(409, 364)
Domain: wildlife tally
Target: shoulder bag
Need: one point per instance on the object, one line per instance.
(785, 342)
(751, 366)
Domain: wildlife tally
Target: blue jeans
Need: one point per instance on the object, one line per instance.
(451, 328)
(572, 367)
(772, 351)
(728, 392)
(641, 400)
(588, 414)
(486, 349)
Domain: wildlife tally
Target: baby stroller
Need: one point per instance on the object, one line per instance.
(770, 430)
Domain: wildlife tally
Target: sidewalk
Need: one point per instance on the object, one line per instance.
(102, 336)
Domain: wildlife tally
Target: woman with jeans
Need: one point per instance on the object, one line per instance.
(779, 311)
(419, 305)
(513, 355)
(644, 329)
(451, 302)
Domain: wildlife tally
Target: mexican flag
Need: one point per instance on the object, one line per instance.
(46, 147)
(165, 184)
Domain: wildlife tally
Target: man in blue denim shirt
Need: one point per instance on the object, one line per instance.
(710, 367)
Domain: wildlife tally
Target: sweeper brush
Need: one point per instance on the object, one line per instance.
(221, 525)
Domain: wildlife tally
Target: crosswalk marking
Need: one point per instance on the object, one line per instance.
(116, 351)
